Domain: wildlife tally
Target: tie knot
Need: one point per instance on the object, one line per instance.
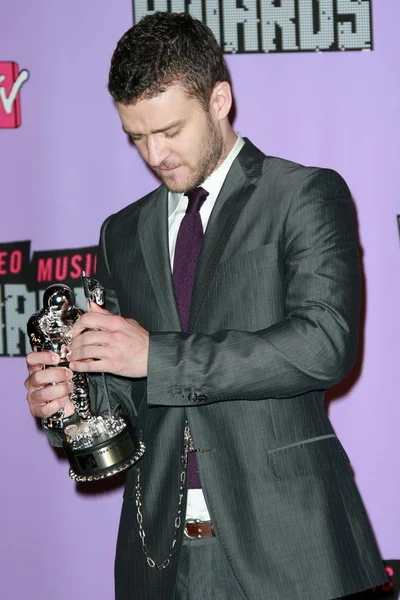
(196, 199)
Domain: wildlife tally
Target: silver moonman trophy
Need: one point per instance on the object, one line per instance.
(97, 446)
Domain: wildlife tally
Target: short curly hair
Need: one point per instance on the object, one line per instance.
(163, 49)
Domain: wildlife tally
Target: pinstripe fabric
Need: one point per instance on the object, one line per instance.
(274, 321)
(203, 573)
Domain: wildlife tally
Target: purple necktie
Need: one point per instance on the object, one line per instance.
(187, 250)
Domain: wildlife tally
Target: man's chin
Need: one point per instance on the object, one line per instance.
(177, 189)
(176, 185)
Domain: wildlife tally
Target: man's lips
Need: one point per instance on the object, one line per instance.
(167, 169)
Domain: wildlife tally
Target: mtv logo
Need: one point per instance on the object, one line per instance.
(11, 82)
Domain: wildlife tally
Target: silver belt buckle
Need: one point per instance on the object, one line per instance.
(185, 531)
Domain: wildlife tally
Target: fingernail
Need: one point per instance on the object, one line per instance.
(55, 358)
(70, 385)
(69, 373)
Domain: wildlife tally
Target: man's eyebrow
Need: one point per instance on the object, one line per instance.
(172, 125)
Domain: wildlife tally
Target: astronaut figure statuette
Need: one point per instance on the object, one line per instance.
(97, 446)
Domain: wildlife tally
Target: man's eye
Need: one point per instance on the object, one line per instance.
(135, 138)
(171, 134)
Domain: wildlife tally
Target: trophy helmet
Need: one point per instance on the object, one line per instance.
(58, 298)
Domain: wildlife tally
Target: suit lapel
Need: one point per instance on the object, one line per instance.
(239, 185)
(153, 237)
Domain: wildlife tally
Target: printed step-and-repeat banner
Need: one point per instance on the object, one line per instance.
(315, 81)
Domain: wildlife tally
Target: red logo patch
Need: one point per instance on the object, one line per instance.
(11, 81)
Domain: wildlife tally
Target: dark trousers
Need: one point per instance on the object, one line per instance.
(203, 573)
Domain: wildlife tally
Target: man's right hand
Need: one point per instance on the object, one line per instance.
(45, 399)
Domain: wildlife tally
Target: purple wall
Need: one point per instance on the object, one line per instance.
(69, 165)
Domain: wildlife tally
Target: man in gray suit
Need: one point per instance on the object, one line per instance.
(219, 348)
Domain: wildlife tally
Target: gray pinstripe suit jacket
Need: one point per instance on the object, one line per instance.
(274, 321)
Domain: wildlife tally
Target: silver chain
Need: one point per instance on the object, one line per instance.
(178, 520)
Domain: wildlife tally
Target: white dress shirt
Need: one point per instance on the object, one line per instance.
(177, 204)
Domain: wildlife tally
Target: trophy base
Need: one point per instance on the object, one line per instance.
(101, 447)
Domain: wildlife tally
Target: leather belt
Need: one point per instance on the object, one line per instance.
(195, 529)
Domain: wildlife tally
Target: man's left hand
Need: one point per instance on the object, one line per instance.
(103, 342)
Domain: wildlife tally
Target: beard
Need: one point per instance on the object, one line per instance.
(212, 154)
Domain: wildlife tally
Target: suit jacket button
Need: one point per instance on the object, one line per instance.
(203, 398)
(192, 397)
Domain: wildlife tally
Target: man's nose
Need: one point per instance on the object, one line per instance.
(157, 151)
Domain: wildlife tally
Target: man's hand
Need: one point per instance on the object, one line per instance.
(43, 398)
(103, 342)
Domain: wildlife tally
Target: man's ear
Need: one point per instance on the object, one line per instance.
(221, 100)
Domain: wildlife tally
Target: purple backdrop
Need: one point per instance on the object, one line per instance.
(69, 165)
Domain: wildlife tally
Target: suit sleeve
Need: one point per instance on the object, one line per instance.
(114, 390)
(312, 348)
